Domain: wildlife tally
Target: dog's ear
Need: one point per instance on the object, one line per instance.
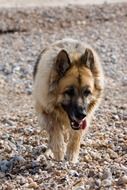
(87, 59)
(62, 62)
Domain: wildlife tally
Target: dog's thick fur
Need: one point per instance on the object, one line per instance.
(68, 86)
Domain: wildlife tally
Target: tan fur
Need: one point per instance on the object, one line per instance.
(62, 138)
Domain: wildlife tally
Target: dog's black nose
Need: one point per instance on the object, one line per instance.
(80, 114)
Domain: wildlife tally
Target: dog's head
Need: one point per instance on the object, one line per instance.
(76, 88)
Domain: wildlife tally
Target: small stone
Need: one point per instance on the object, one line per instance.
(5, 165)
(98, 182)
(26, 185)
(95, 156)
(79, 22)
(79, 185)
(106, 182)
(112, 154)
(41, 158)
(17, 160)
(2, 174)
(115, 117)
(74, 173)
(8, 149)
(83, 22)
(91, 173)
(22, 180)
(1, 144)
(122, 180)
(107, 174)
(79, 188)
(87, 158)
(30, 180)
(9, 186)
(33, 185)
(12, 145)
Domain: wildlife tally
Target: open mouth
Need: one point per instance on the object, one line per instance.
(76, 125)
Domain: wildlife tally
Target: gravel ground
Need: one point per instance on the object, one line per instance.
(103, 156)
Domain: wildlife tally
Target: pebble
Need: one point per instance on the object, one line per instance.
(74, 173)
(7, 148)
(2, 174)
(112, 153)
(87, 158)
(122, 180)
(18, 159)
(107, 178)
(22, 180)
(1, 144)
(30, 180)
(33, 185)
(78, 188)
(107, 174)
(5, 166)
(41, 158)
(116, 117)
(106, 182)
(12, 146)
(98, 182)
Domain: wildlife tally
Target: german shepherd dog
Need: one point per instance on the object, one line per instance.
(68, 87)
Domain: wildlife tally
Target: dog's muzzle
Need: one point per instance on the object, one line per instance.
(77, 116)
(78, 124)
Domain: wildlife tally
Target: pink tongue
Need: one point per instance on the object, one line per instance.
(83, 124)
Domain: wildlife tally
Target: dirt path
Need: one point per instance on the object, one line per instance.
(103, 156)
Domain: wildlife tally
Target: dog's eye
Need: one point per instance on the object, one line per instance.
(70, 91)
(86, 92)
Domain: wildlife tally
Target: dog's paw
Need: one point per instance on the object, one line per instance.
(72, 157)
(59, 156)
(48, 154)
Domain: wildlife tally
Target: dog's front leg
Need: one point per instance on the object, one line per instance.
(56, 142)
(74, 146)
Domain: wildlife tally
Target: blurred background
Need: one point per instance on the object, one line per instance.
(19, 3)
